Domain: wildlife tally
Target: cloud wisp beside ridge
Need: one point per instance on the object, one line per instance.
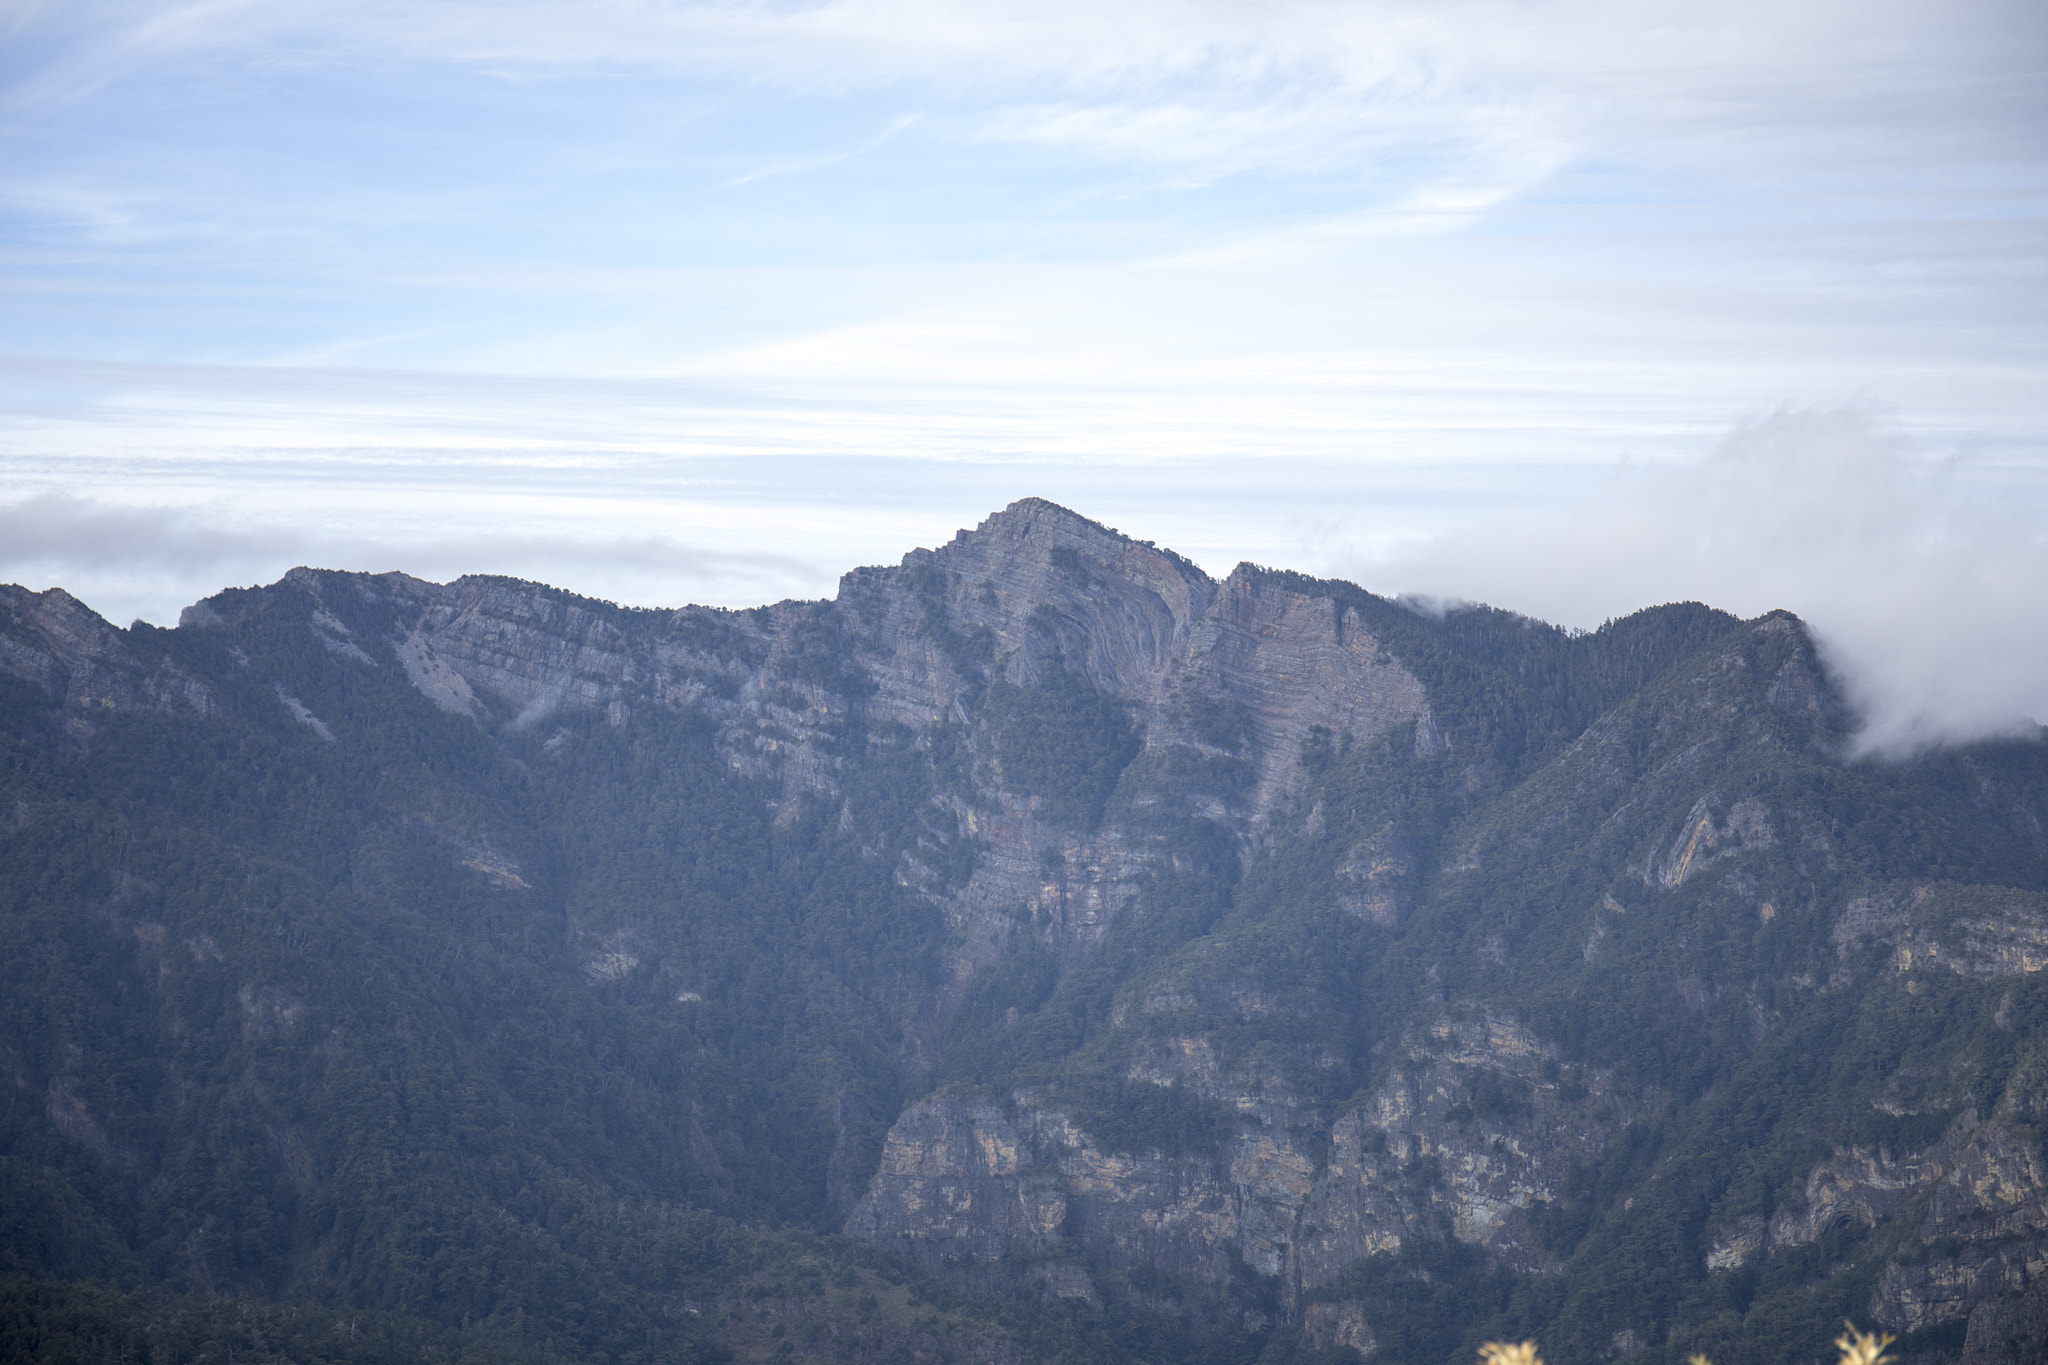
(154, 560)
(1924, 595)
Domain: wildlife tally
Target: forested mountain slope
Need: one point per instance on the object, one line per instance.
(1042, 950)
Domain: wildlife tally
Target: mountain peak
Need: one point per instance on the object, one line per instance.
(1046, 522)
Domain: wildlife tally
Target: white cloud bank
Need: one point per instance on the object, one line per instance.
(1929, 599)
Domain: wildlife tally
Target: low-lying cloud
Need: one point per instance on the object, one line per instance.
(84, 534)
(1925, 594)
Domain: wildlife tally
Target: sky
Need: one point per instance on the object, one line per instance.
(1568, 305)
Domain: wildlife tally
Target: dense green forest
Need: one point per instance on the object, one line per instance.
(570, 1009)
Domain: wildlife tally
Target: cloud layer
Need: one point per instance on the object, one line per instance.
(1925, 594)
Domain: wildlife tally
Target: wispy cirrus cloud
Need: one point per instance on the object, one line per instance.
(814, 163)
(1299, 86)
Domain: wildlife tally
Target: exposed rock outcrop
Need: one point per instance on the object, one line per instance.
(56, 642)
(964, 1179)
(1976, 1201)
(1478, 1125)
(1343, 1323)
(1241, 670)
(1973, 931)
(2012, 1330)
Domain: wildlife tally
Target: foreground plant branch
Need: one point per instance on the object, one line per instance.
(1858, 1348)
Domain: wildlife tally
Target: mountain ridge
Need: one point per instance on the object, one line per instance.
(1206, 966)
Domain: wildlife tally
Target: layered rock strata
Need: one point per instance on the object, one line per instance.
(1478, 1125)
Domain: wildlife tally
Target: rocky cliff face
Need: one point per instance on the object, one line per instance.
(1477, 1125)
(1974, 1207)
(1241, 671)
(964, 1181)
(53, 641)
(1980, 932)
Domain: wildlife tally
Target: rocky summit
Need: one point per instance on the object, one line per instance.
(1039, 951)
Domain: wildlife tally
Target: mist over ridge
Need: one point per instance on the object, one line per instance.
(1923, 592)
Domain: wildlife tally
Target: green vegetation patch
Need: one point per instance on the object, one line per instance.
(1064, 742)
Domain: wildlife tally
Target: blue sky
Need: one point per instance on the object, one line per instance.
(679, 301)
